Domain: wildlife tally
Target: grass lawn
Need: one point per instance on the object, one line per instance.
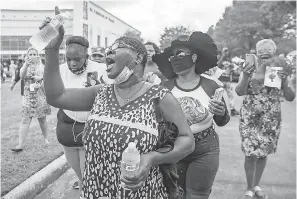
(279, 178)
(17, 167)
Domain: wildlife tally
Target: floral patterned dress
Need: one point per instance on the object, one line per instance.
(107, 133)
(34, 102)
(260, 120)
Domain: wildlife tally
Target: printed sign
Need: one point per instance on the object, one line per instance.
(271, 77)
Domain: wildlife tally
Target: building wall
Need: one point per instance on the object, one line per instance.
(101, 24)
(88, 19)
(17, 27)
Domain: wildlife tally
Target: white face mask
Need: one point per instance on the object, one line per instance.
(124, 74)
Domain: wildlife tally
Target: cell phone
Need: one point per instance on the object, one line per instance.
(35, 59)
(218, 94)
(92, 77)
(250, 58)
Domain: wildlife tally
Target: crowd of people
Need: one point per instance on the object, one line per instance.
(108, 99)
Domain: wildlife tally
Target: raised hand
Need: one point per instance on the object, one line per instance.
(248, 68)
(217, 107)
(56, 42)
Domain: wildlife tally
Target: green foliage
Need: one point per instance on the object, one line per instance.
(246, 22)
(171, 33)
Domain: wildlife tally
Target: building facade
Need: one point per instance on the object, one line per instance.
(88, 19)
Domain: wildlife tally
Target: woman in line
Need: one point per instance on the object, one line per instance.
(122, 112)
(151, 71)
(34, 103)
(183, 63)
(74, 74)
(260, 114)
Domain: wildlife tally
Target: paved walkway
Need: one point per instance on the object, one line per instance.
(61, 188)
(278, 179)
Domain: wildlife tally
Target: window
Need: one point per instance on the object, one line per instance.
(5, 45)
(15, 42)
(14, 45)
(98, 40)
(85, 10)
(14, 58)
(85, 31)
(106, 42)
(5, 58)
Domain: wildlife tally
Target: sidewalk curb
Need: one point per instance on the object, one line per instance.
(34, 185)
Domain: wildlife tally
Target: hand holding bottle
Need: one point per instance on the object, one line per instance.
(135, 181)
(56, 42)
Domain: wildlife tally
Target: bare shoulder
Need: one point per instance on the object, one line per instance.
(209, 85)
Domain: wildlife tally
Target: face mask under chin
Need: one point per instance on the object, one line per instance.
(124, 75)
(183, 64)
(79, 70)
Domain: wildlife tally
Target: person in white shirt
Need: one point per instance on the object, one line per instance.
(77, 72)
(12, 69)
(99, 57)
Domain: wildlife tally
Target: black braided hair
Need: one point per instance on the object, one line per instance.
(137, 46)
(77, 40)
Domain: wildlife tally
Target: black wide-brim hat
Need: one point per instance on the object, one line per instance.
(199, 43)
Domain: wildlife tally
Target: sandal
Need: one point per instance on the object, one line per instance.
(17, 150)
(248, 195)
(75, 185)
(259, 193)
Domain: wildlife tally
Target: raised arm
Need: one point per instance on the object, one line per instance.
(76, 99)
(241, 88)
(23, 70)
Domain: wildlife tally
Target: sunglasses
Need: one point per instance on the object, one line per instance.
(179, 55)
(113, 47)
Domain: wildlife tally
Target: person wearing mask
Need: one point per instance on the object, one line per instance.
(260, 114)
(17, 77)
(34, 103)
(121, 113)
(182, 64)
(77, 72)
(151, 71)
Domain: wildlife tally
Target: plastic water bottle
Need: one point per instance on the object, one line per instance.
(130, 160)
(44, 36)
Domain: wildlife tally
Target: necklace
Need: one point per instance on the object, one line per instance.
(127, 99)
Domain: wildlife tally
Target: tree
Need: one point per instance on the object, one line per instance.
(133, 34)
(246, 22)
(172, 33)
(210, 31)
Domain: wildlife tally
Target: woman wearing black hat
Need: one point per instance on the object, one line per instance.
(121, 113)
(183, 63)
